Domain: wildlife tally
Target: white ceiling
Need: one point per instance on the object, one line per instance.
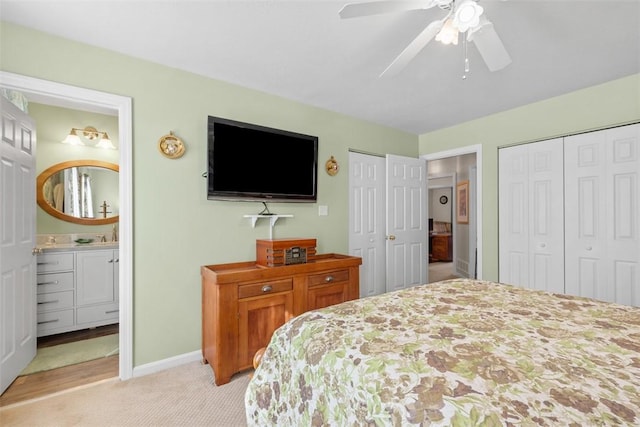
(302, 50)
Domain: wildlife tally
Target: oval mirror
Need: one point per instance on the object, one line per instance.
(80, 191)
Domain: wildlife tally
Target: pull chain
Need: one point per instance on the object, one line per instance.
(466, 57)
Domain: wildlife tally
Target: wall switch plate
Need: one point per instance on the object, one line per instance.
(323, 210)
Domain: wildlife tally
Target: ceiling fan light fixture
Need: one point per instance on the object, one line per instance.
(448, 34)
(467, 15)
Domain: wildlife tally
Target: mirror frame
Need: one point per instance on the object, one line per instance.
(49, 172)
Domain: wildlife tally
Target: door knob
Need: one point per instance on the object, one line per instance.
(391, 237)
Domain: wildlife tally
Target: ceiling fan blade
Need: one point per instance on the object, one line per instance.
(413, 48)
(355, 10)
(490, 46)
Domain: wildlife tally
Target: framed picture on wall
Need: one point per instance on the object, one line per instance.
(462, 211)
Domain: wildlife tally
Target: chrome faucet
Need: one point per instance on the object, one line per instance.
(102, 237)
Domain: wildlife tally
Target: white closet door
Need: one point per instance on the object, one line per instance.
(603, 219)
(367, 208)
(531, 215)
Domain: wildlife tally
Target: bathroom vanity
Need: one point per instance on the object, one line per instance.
(77, 287)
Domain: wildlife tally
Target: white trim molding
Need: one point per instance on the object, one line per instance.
(477, 150)
(63, 95)
(171, 362)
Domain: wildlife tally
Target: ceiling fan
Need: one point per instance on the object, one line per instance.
(462, 16)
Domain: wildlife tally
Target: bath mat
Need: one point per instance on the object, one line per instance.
(67, 354)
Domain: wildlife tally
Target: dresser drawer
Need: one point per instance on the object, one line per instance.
(54, 320)
(51, 262)
(55, 301)
(263, 288)
(98, 313)
(54, 282)
(328, 277)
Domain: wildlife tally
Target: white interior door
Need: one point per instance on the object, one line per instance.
(17, 241)
(366, 220)
(407, 222)
(531, 252)
(602, 187)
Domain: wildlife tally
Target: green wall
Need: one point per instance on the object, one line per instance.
(175, 228)
(606, 105)
(52, 126)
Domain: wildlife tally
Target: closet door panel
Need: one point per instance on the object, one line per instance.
(546, 243)
(585, 223)
(587, 278)
(514, 221)
(531, 215)
(623, 209)
(602, 217)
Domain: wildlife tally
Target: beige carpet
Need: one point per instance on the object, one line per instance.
(441, 271)
(71, 353)
(182, 396)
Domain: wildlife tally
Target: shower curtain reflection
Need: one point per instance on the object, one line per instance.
(78, 198)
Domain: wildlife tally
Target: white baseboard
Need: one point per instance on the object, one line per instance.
(171, 362)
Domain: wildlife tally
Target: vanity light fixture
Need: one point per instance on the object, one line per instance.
(90, 135)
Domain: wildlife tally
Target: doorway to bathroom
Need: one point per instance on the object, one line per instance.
(51, 93)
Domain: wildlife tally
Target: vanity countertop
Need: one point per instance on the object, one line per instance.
(60, 247)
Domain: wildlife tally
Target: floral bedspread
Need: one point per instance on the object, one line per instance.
(458, 352)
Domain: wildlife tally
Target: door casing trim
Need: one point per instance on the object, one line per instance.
(60, 94)
(477, 150)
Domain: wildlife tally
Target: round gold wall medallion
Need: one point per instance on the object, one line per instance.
(171, 146)
(332, 166)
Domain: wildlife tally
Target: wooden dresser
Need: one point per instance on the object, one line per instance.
(244, 303)
(441, 247)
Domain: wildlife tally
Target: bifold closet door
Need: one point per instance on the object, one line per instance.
(531, 242)
(602, 224)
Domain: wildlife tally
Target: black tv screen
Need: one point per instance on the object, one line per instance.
(256, 163)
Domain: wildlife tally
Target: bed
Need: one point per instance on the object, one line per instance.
(457, 352)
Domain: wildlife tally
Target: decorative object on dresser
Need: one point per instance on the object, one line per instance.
(243, 303)
(278, 252)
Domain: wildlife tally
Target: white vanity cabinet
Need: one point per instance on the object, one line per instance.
(56, 292)
(96, 287)
(77, 289)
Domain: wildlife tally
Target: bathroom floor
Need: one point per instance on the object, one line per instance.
(42, 383)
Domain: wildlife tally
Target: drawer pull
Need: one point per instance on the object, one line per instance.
(266, 288)
(111, 311)
(110, 261)
(49, 302)
(54, 282)
(328, 279)
(47, 321)
(49, 263)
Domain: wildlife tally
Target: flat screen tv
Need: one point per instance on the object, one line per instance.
(256, 163)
